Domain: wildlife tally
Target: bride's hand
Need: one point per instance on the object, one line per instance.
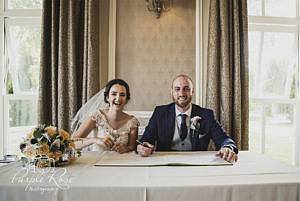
(98, 141)
(120, 148)
(108, 142)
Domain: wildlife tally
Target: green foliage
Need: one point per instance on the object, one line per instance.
(28, 54)
(293, 93)
(9, 85)
(22, 113)
(276, 77)
(37, 133)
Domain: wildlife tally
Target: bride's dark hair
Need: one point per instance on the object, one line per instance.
(113, 82)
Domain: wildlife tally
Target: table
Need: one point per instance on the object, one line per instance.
(255, 177)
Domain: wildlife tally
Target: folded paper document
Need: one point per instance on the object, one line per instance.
(201, 158)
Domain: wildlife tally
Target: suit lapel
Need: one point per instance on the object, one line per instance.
(193, 113)
(192, 138)
(170, 123)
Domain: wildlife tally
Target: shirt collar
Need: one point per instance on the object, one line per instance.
(188, 112)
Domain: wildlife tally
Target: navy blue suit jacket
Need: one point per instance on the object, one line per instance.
(160, 129)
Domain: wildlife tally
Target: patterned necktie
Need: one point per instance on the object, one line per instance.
(183, 128)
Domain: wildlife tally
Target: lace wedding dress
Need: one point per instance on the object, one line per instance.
(120, 135)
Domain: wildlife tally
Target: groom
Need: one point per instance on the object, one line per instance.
(183, 126)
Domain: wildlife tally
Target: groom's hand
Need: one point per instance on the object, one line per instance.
(227, 154)
(145, 149)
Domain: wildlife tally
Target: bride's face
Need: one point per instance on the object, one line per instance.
(117, 97)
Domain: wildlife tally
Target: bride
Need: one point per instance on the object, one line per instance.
(116, 130)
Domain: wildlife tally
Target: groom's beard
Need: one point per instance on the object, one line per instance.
(182, 103)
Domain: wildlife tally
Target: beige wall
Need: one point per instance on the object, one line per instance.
(150, 51)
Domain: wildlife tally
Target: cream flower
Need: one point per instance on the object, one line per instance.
(64, 134)
(51, 130)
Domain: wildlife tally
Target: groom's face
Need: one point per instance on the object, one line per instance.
(182, 92)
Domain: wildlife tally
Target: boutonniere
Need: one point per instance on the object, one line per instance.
(195, 126)
(195, 123)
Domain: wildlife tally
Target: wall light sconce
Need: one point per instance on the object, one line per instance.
(158, 6)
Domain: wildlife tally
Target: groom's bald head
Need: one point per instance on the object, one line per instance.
(185, 77)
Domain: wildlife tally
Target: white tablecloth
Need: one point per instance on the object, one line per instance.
(255, 177)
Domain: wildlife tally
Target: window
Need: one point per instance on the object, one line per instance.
(19, 56)
(274, 78)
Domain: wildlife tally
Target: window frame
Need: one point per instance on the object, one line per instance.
(276, 24)
(2, 78)
(5, 14)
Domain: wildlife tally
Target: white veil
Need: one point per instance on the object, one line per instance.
(90, 107)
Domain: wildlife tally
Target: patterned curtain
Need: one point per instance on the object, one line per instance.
(69, 73)
(227, 68)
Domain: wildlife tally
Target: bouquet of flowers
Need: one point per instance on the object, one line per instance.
(49, 146)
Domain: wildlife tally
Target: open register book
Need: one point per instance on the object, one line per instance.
(201, 158)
